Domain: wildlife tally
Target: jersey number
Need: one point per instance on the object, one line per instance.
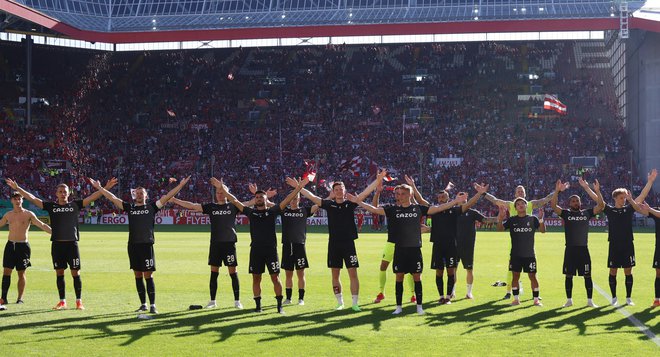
(532, 266)
(149, 263)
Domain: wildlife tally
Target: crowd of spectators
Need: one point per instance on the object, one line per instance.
(257, 114)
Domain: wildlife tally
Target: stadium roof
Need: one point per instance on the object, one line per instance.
(122, 21)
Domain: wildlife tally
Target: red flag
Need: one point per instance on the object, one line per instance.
(389, 178)
(310, 170)
(552, 103)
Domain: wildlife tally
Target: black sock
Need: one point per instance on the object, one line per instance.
(301, 294)
(257, 301)
(289, 292)
(61, 287)
(398, 290)
(568, 285)
(657, 287)
(439, 284)
(418, 292)
(142, 293)
(213, 284)
(515, 291)
(589, 285)
(234, 285)
(450, 284)
(535, 293)
(279, 302)
(151, 290)
(629, 285)
(77, 287)
(612, 279)
(6, 282)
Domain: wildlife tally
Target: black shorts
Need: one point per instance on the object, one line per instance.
(342, 252)
(141, 256)
(621, 256)
(444, 255)
(408, 260)
(222, 253)
(294, 256)
(465, 252)
(17, 255)
(264, 256)
(522, 264)
(577, 259)
(65, 253)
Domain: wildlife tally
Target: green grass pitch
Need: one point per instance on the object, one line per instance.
(483, 326)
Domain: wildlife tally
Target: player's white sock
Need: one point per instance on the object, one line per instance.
(340, 298)
(355, 299)
(469, 289)
(420, 310)
(398, 310)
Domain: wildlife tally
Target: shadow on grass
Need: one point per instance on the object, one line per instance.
(228, 322)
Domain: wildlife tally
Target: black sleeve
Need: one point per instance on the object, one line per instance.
(155, 207)
(506, 224)
(537, 224)
(125, 206)
(275, 209)
(352, 205)
(48, 206)
(424, 210)
(308, 211)
(478, 216)
(590, 212)
(325, 204)
(247, 211)
(564, 213)
(206, 208)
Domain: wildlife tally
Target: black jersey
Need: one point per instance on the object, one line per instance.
(465, 230)
(403, 225)
(294, 225)
(141, 221)
(262, 226)
(657, 230)
(64, 220)
(443, 225)
(341, 220)
(620, 224)
(522, 231)
(223, 221)
(576, 226)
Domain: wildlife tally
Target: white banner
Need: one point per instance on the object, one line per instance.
(448, 161)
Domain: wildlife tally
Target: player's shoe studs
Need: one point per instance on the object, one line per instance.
(60, 306)
(142, 308)
(380, 297)
(79, 305)
(211, 305)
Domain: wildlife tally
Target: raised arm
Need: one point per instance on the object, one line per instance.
(374, 201)
(372, 186)
(555, 197)
(647, 188)
(186, 204)
(543, 201)
(633, 203)
(648, 210)
(600, 202)
(496, 201)
(109, 195)
(96, 195)
(219, 185)
(37, 222)
(299, 186)
(585, 186)
(500, 219)
(163, 199)
(541, 221)
(416, 194)
(28, 196)
(368, 207)
(481, 190)
(461, 197)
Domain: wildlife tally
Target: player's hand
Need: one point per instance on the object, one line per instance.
(381, 174)
(652, 175)
(215, 182)
(110, 183)
(644, 207)
(628, 195)
(11, 183)
(252, 187)
(304, 181)
(483, 188)
(351, 197)
(271, 192)
(184, 181)
(96, 184)
(582, 182)
(596, 185)
(409, 180)
(292, 182)
(541, 213)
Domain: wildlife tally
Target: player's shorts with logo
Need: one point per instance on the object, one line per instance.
(141, 256)
(16, 255)
(222, 253)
